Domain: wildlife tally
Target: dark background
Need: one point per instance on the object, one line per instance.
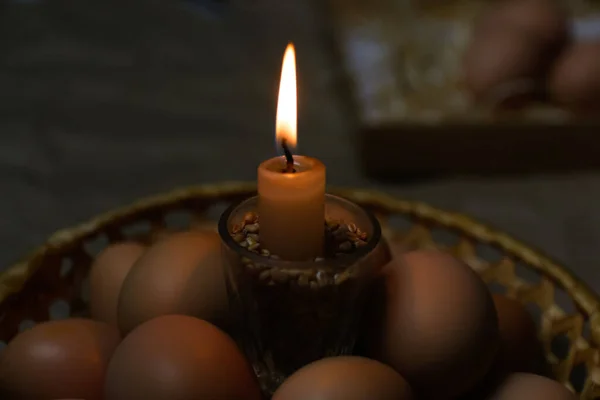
(105, 101)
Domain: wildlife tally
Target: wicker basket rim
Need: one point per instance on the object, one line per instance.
(15, 277)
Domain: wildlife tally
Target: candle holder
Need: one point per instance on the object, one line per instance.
(291, 313)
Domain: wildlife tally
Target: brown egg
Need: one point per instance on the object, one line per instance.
(514, 42)
(522, 386)
(58, 359)
(344, 378)
(547, 20)
(179, 357)
(181, 274)
(574, 81)
(106, 278)
(435, 323)
(500, 68)
(520, 350)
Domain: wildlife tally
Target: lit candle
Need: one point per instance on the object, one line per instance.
(291, 189)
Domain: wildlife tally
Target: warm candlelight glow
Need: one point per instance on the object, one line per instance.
(286, 122)
(291, 189)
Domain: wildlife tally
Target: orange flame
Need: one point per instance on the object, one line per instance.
(286, 121)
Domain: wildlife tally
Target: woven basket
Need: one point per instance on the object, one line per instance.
(568, 310)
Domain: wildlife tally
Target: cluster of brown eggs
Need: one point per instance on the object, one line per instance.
(524, 50)
(159, 318)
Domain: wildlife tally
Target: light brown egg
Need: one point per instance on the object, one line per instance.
(500, 68)
(181, 274)
(522, 386)
(179, 357)
(435, 323)
(106, 278)
(345, 378)
(574, 81)
(58, 359)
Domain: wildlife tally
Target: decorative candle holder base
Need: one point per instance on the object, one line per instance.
(291, 313)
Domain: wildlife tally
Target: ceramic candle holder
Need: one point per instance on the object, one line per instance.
(291, 313)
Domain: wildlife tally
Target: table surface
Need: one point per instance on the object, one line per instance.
(103, 102)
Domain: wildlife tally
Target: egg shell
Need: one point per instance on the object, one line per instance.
(522, 386)
(344, 378)
(181, 274)
(178, 357)
(547, 20)
(574, 81)
(106, 279)
(58, 359)
(434, 322)
(520, 349)
(500, 68)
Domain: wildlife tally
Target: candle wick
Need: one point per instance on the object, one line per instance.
(289, 159)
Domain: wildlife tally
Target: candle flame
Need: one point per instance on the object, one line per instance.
(286, 121)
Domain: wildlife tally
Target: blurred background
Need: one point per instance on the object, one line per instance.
(106, 101)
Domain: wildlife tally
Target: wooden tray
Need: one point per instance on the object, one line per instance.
(403, 65)
(566, 309)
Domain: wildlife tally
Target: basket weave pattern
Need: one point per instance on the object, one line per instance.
(57, 271)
